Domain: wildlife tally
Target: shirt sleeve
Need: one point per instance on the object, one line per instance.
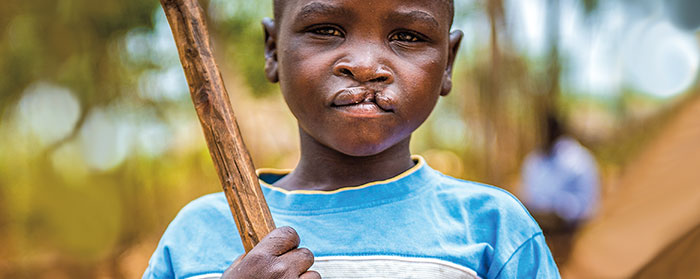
(531, 260)
(197, 242)
(159, 266)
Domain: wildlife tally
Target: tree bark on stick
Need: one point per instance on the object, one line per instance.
(231, 158)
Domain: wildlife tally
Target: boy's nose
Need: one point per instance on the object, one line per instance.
(363, 69)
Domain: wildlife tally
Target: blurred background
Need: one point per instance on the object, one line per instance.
(100, 145)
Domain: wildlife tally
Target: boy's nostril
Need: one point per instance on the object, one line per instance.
(346, 72)
(379, 79)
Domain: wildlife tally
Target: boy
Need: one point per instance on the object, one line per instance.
(360, 77)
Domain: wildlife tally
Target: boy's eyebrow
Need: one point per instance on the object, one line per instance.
(413, 16)
(321, 8)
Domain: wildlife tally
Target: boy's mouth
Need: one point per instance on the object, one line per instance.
(363, 100)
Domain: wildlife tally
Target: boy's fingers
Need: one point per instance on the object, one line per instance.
(230, 271)
(279, 241)
(301, 258)
(310, 275)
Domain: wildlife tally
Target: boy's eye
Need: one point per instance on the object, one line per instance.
(405, 37)
(327, 31)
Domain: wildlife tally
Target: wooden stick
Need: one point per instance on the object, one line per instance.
(226, 147)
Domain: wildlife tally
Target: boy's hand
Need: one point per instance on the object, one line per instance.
(276, 256)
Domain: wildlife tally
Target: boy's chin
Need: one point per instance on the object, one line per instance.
(361, 152)
(354, 145)
(362, 149)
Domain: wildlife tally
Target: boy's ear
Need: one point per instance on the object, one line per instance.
(270, 50)
(455, 40)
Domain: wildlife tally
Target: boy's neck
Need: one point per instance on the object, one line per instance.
(325, 169)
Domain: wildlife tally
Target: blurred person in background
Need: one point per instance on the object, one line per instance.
(560, 186)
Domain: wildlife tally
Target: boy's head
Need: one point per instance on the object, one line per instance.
(361, 76)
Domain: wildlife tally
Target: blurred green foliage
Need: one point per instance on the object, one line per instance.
(66, 42)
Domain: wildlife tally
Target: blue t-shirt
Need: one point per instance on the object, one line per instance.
(419, 224)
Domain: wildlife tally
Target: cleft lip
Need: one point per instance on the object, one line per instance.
(356, 95)
(351, 96)
(385, 100)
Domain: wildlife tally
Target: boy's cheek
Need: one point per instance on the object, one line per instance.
(421, 55)
(303, 61)
(301, 46)
(431, 62)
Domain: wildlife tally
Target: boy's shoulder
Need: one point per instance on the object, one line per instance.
(472, 189)
(206, 208)
(495, 216)
(179, 250)
(200, 213)
(484, 195)
(209, 203)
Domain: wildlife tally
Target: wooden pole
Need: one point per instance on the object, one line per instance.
(231, 158)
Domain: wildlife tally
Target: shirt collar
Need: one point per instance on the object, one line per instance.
(346, 198)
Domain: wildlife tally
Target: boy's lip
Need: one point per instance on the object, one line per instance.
(365, 98)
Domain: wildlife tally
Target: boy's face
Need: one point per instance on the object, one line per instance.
(361, 76)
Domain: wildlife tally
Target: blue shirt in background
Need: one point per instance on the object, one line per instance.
(564, 182)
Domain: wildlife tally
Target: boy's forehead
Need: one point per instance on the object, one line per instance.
(443, 10)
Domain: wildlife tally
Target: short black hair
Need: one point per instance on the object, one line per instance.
(277, 8)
